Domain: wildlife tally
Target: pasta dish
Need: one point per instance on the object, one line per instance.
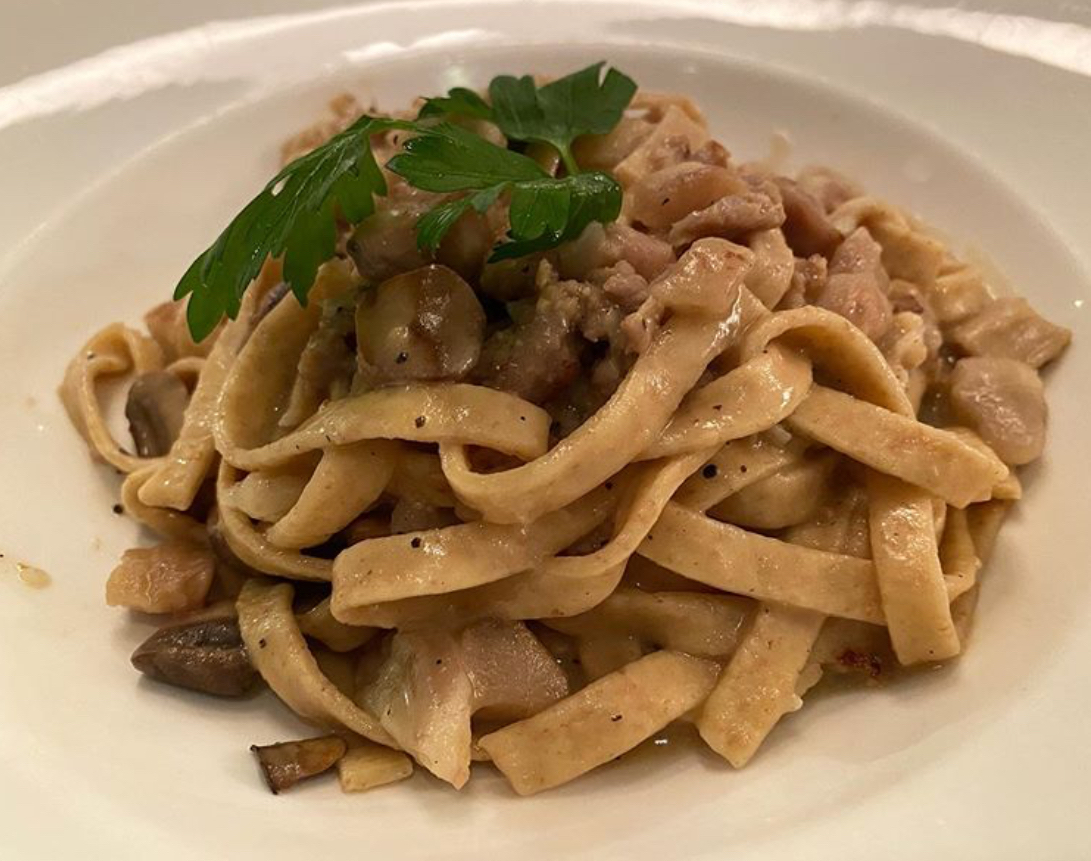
(591, 430)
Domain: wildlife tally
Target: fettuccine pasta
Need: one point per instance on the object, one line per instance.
(759, 429)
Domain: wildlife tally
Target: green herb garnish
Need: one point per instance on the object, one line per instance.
(295, 215)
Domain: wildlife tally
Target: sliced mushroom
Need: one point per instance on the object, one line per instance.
(170, 578)
(386, 244)
(288, 762)
(422, 325)
(207, 656)
(155, 408)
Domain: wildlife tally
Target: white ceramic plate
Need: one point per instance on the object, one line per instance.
(117, 170)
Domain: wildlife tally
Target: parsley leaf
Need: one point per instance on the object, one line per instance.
(544, 210)
(295, 216)
(546, 213)
(561, 111)
(434, 224)
(449, 158)
(458, 102)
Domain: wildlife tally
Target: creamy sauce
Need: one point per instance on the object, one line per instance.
(33, 577)
(29, 575)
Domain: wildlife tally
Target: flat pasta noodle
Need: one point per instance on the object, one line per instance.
(534, 594)
(835, 347)
(908, 251)
(279, 652)
(983, 522)
(163, 521)
(177, 480)
(734, 467)
(907, 566)
(704, 625)
(749, 399)
(606, 442)
(256, 551)
(745, 563)
(319, 624)
(457, 557)
(431, 413)
(647, 492)
(347, 481)
(604, 720)
(933, 459)
(253, 391)
(677, 469)
(115, 350)
(957, 553)
(759, 684)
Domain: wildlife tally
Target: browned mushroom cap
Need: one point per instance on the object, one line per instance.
(385, 244)
(422, 325)
(287, 763)
(155, 408)
(207, 656)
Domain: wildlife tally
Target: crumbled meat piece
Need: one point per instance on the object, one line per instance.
(622, 284)
(599, 247)
(808, 279)
(907, 296)
(589, 391)
(806, 226)
(173, 577)
(904, 345)
(1003, 401)
(536, 359)
(1009, 328)
(730, 217)
(827, 186)
(857, 285)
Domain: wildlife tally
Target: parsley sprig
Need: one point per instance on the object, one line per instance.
(295, 215)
